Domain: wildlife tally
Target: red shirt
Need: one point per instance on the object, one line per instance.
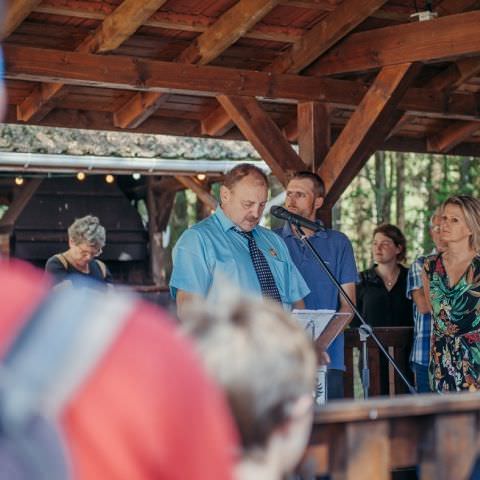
(147, 411)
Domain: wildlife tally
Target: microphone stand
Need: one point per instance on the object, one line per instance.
(365, 329)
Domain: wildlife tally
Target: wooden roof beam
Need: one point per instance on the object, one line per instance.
(452, 136)
(263, 134)
(366, 129)
(455, 75)
(127, 73)
(113, 31)
(436, 40)
(199, 190)
(208, 46)
(309, 47)
(17, 12)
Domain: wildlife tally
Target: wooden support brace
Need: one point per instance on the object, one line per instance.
(263, 134)
(196, 187)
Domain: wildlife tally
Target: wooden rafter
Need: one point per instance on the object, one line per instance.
(452, 136)
(435, 40)
(17, 12)
(366, 129)
(324, 35)
(313, 44)
(209, 45)
(263, 134)
(113, 31)
(129, 73)
(168, 20)
(196, 187)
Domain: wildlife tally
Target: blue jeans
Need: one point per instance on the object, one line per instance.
(421, 377)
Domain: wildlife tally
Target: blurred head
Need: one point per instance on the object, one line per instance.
(435, 222)
(460, 221)
(389, 244)
(266, 365)
(86, 238)
(305, 194)
(243, 195)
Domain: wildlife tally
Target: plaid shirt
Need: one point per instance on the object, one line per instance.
(422, 323)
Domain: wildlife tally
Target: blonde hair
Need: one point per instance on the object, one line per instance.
(259, 355)
(470, 207)
(87, 230)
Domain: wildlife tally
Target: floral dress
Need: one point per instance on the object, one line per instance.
(455, 345)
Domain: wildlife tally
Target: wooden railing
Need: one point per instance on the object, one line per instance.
(366, 440)
(397, 341)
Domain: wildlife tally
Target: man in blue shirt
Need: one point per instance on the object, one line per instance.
(230, 246)
(305, 195)
(420, 356)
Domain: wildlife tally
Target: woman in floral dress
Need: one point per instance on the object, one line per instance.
(452, 283)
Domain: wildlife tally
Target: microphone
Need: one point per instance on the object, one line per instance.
(297, 220)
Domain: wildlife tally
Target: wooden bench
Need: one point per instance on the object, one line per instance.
(366, 440)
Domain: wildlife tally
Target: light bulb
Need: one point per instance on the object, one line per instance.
(109, 178)
(201, 177)
(19, 181)
(81, 176)
(136, 176)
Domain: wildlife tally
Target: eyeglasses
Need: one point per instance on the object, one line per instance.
(435, 228)
(89, 252)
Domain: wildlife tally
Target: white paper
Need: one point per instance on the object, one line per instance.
(314, 322)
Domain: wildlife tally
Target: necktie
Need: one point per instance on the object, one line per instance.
(262, 269)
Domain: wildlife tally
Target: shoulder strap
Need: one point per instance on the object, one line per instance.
(62, 260)
(57, 349)
(102, 266)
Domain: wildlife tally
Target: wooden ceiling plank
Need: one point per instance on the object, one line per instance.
(452, 136)
(178, 21)
(366, 129)
(344, 18)
(436, 40)
(113, 31)
(17, 12)
(341, 21)
(263, 134)
(199, 190)
(205, 48)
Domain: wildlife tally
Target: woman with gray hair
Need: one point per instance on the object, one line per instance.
(266, 365)
(86, 239)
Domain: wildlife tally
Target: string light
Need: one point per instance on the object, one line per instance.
(19, 181)
(109, 178)
(201, 177)
(81, 176)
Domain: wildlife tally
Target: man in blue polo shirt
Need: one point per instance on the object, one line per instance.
(230, 246)
(305, 195)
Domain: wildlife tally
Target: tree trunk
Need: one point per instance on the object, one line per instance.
(400, 191)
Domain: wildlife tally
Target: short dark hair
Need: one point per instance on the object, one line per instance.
(396, 236)
(240, 172)
(318, 183)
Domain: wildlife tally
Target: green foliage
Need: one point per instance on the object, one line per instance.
(427, 181)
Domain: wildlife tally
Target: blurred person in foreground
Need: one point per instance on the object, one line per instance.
(86, 239)
(266, 366)
(452, 286)
(145, 410)
(420, 356)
